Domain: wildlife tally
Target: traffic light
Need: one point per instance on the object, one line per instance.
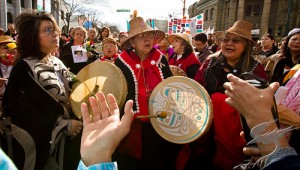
(134, 13)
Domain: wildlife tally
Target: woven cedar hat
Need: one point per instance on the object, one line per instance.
(1, 31)
(109, 40)
(138, 26)
(185, 38)
(241, 28)
(6, 39)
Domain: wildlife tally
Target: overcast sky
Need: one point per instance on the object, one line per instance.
(159, 9)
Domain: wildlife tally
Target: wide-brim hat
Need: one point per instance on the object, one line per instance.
(183, 36)
(109, 40)
(2, 31)
(241, 28)
(6, 39)
(138, 26)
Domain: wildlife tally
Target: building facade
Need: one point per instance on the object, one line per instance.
(276, 17)
(10, 9)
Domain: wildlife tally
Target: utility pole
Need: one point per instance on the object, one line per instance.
(183, 9)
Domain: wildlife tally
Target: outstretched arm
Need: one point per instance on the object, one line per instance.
(103, 131)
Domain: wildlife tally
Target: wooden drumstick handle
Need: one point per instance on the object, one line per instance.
(162, 115)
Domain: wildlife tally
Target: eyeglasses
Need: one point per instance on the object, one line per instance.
(49, 30)
(150, 35)
(234, 40)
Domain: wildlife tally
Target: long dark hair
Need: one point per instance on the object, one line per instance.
(100, 33)
(287, 52)
(28, 25)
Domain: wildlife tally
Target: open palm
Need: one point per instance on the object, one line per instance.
(103, 131)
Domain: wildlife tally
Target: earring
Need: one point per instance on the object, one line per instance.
(133, 50)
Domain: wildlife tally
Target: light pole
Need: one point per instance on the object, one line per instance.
(183, 9)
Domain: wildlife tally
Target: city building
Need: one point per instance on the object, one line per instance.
(277, 17)
(10, 9)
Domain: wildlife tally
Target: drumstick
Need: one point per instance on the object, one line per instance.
(162, 115)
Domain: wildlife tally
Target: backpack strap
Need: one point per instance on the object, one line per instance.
(23, 138)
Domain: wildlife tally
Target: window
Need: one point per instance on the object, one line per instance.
(9, 1)
(62, 14)
(23, 3)
(248, 10)
(256, 10)
(211, 14)
(228, 12)
(206, 15)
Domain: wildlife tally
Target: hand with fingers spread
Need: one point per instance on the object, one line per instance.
(249, 100)
(103, 131)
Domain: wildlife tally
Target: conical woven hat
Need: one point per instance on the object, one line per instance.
(241, 28)
(138, 26)
(184, 36)
(6, 39)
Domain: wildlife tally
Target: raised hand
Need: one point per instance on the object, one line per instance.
(103, 131)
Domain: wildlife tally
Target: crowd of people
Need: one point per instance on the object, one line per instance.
(39, 62)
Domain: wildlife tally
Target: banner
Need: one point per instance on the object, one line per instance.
(178, 25)
(196, 25)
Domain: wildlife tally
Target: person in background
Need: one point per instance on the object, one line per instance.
(202, 47)
(115, 36)
(8, 54)
(122, 38)
(164, 47)
(213, 45)
(267, 48)
(104, 33)
(110, 50)
(183, 56)
(66, 56)
(289, 58)
(144, 67)
(92, 36)
(236, 58)
(11, 30)
(39, 83)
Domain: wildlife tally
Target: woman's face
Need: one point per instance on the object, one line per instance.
(232, 47)
(163, 43)
(177, 46)
(105, 33)
(109, 49)
(122, 38)
(266, 41)
(92, 33)
(143, 42)
(79, 36)
(48, 37)
(294, 43)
